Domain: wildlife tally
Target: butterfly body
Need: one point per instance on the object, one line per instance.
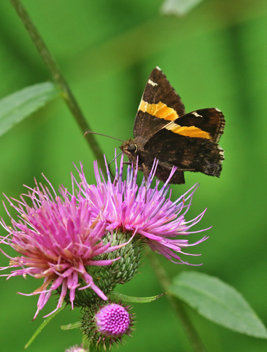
(163, 130)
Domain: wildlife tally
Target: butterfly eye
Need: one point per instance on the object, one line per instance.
(131, 148)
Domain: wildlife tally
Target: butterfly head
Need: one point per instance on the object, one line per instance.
(129, 148)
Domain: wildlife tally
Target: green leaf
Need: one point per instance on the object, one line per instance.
(130, 299)
(218, 302)
(178, 7)
(44, 323)
(15, 107)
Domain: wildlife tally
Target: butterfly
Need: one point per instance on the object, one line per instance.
(162, 130)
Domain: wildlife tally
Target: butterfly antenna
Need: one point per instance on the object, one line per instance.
(104, 135)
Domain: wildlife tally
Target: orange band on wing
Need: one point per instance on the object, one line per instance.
(162, 111)
(159, 110)
(188, 131)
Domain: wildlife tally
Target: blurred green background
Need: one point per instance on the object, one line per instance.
(215, 56)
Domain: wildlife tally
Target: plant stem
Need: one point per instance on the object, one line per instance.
(58, 77)
(177, 305)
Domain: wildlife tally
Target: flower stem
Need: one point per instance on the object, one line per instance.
(58, 77)
(177, 304)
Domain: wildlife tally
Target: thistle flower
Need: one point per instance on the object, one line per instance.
(112, 320)
(106, 323)
(142, 211)
(58, 239)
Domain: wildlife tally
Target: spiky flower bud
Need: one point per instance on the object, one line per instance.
(106, 323)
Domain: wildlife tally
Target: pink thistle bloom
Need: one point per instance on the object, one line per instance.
(143, 210)
(113, 320)
(57, 238)
(107, 323)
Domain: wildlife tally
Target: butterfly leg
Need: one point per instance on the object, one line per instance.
(146, 174)
(109, 169)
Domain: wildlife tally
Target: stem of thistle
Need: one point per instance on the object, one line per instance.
(58, 77)
(177, 304)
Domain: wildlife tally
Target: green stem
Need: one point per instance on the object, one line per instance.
(60, 81)
(177, 305)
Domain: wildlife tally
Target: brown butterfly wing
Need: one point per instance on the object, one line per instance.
(158, 95)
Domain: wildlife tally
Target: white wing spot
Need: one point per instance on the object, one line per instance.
(196, 114)
(158, 68)
(218, 110)
(152, 83)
